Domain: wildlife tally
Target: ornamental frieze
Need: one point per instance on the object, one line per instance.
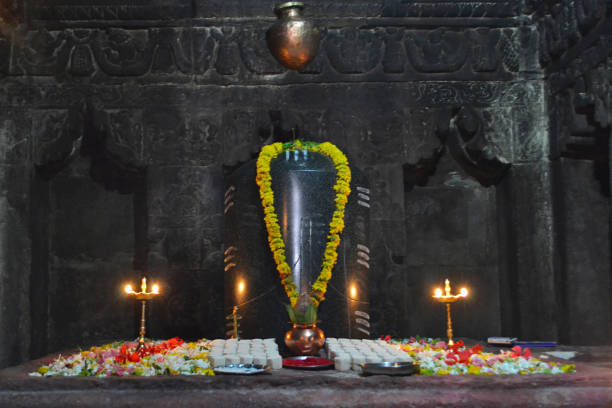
(495, 8)
(109, 10)
(238, 54)
(172, 9)
(43, 93)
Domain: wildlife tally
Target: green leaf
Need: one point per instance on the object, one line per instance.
(299, 318)
(311, 314)
(292, 313)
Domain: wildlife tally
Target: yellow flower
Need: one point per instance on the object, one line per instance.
(474, 370)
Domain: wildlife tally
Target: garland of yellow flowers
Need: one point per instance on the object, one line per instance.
(275, 238)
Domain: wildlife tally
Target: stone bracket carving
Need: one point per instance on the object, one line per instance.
(461, 132)
(467, 143)
(585, 118)
(57, 136)
(60, 135)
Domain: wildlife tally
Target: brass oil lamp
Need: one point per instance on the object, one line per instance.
(448, 298)
(143, 296)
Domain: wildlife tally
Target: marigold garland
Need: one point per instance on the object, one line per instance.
(275, 238)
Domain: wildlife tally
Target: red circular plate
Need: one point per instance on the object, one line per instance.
(307, 363)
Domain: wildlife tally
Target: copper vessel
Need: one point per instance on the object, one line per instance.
(292, 40)
(305, 339)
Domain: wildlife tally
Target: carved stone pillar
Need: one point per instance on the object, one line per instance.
(528, 282)
(586, 256)
(527, 245)
(15, 249)
(582, 125)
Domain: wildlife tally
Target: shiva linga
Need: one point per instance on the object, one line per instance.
(448, 299)
(143, 296)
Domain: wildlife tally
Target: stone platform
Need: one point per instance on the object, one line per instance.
(590, 386)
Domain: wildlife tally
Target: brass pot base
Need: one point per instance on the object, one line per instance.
(304, 339)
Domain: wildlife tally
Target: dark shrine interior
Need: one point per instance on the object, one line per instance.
(481, 128)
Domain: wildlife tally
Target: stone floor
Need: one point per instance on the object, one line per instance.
(590, 386)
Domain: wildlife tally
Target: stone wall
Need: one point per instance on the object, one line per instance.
(120, 121)
(576, 55)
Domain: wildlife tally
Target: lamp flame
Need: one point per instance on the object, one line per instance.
(143, 285)
(353, 291)
(463, 292)
(155, 289)
(438, 292)
(241, 287)
(128, 289)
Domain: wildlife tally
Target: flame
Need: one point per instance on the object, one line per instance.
(463, 292)
(353, 291)
(241, 287)
(155, 289)
(438, 293)
(143, 285)
(447, 288)
(128, 289)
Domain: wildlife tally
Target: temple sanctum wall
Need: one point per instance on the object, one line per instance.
(482, 127)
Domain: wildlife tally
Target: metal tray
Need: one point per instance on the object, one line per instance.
(315, 366)
(242, 369)
(389, 368)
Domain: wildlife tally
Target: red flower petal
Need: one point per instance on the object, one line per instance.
(134, 357)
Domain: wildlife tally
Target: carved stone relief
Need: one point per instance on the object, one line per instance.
(43, 53)
(240, 53)
(110, 10)
(439, 51)
(496, 8)
(471, 149)
(14, 137)
(56, 137)
(125, 137)
(121, 52)
(353, 51)
(562, 23)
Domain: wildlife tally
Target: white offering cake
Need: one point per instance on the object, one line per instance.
(348, 354)
(254, 351)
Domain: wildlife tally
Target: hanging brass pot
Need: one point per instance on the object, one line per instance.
(292, 40)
